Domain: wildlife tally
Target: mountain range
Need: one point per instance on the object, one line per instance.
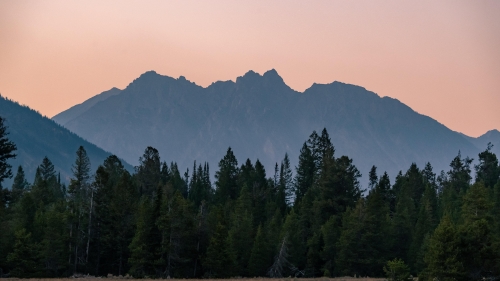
(37, 136)
(260, 117)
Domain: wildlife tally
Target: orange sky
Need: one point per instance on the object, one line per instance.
(442, 58)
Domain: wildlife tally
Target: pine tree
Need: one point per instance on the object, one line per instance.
(260, 256)
(149, 171)
(372, 178)
(305, 173)
(478, 246)
(403, 221)
(54, 242)
(240, 234)
(459, 175)
(426, 223)
(217, 261)
(293, 231)
(46, 189)
(488, 170)
(115, 214)
(350, 253)
(19, 186)
(176, 225)
(338, 187)
(7, 149)
(226, 179)
(286, 182)
(24, 259)
(141, 257)
(330, 234)
(81, 206)
(443, 254)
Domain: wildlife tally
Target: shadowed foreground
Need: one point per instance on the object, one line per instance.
(239, 279)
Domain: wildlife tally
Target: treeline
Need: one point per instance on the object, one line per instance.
(313, 220)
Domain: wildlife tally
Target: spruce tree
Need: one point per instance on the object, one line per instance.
(260, 256)
(443, 254)
(286, 181)
(7, 148)
(24, 259)
(240, 234)
(487, 170)
(478, 246)
(19, 186)
(217, 261)
(305, 173)
(81, 206)
(226, 179)
(141, 255)
(149, 171)
(372, 178)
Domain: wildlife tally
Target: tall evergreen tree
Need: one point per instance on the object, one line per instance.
(305, 173)
(478, 246)
(240, 234)
(81, 206)
(488, 170)
(285, 184)
(260, 258)
(19, 186)
(372, 177)
(226, 179)
(217, 261)
(443, 255)
(7, 148)
(149, 171)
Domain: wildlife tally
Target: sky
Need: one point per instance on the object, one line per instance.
(441, 58)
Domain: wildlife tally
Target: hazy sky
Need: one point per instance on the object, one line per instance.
(442, 58)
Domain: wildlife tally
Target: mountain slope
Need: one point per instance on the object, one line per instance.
(259, 116)
(36, 137)
(73, 112)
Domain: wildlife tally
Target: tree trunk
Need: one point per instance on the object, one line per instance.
(90, 224)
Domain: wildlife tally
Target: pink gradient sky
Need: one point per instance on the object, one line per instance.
(442, 58)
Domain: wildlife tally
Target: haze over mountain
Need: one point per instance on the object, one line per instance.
(260, 117)
(37, 136)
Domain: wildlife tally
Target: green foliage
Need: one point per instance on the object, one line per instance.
(19, 186)
(149, 171)
(226, 179)
(397, 270)
(260, 257)
(24, 259)
(7, 148)
(217, 261)
(488, 171)
(443, 255)
(159, 223)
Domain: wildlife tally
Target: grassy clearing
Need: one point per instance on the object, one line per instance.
(347, 278)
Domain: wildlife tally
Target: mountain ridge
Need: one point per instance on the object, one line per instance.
(37, 136)
(260, 116)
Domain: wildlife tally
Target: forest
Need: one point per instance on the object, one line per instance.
(312, 220)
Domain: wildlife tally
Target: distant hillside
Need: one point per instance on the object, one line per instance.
(259, 116)
(37, 136)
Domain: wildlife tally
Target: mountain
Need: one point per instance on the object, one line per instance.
(37, 136)
(259, 116)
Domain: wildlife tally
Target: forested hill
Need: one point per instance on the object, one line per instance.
(37, 136)
(259, 116)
